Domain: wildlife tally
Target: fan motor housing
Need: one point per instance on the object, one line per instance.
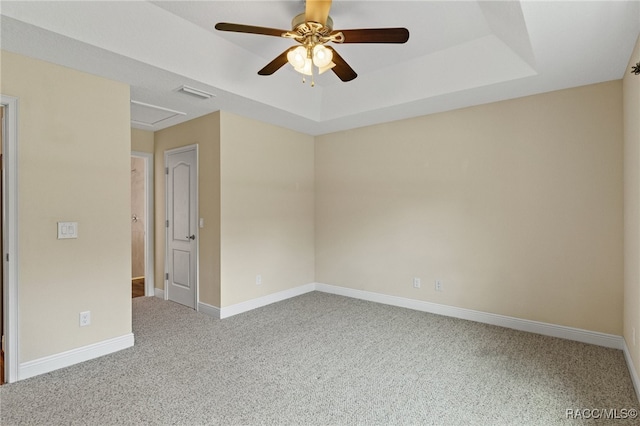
(300, 25)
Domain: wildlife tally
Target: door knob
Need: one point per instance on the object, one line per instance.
(191, 237)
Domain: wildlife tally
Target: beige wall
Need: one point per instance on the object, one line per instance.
(205, 132)
(73, 165)
(142, 140)
(267, 213)
(631, 96)
(516, 206)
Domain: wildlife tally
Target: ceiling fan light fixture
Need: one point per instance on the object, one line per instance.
(303, 59)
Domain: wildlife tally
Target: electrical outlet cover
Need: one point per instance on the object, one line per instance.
(85, 318)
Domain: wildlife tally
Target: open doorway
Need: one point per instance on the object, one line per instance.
(138, 219)
(141, 224)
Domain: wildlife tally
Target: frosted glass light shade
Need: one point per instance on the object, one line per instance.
(297, 57)
(321, 56)
(306, 68)
(326, 68)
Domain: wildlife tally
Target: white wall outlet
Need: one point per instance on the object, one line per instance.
(85, 318)
(258, 279)
(438, 285)
(416, 282)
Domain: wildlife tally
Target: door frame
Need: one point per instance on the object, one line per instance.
(166, 215)
(10, 235)
(149, 247)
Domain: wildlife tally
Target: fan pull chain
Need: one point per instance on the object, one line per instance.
(304, 80)
(313, 83)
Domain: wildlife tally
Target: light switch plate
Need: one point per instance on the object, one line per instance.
(67, 230)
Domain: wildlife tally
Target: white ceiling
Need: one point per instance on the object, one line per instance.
(460, 53)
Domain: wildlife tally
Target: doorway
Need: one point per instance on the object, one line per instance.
(138, 220)
(142, 263)
(181, 259)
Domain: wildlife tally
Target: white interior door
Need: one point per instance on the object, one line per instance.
(182, 214)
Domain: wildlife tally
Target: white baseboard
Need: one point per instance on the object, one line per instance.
(210, 310)
(632, 370)
(74, 356)
(239, 308)
(546, 329)
(158, 292)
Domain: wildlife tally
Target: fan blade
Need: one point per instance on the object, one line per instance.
(276, 64)
(342, 69)
(375, 35)
(250, 29)
(317, 11)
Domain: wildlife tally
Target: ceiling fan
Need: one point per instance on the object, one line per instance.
(313, 29)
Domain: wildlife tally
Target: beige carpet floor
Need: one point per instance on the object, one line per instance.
(321, 359)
